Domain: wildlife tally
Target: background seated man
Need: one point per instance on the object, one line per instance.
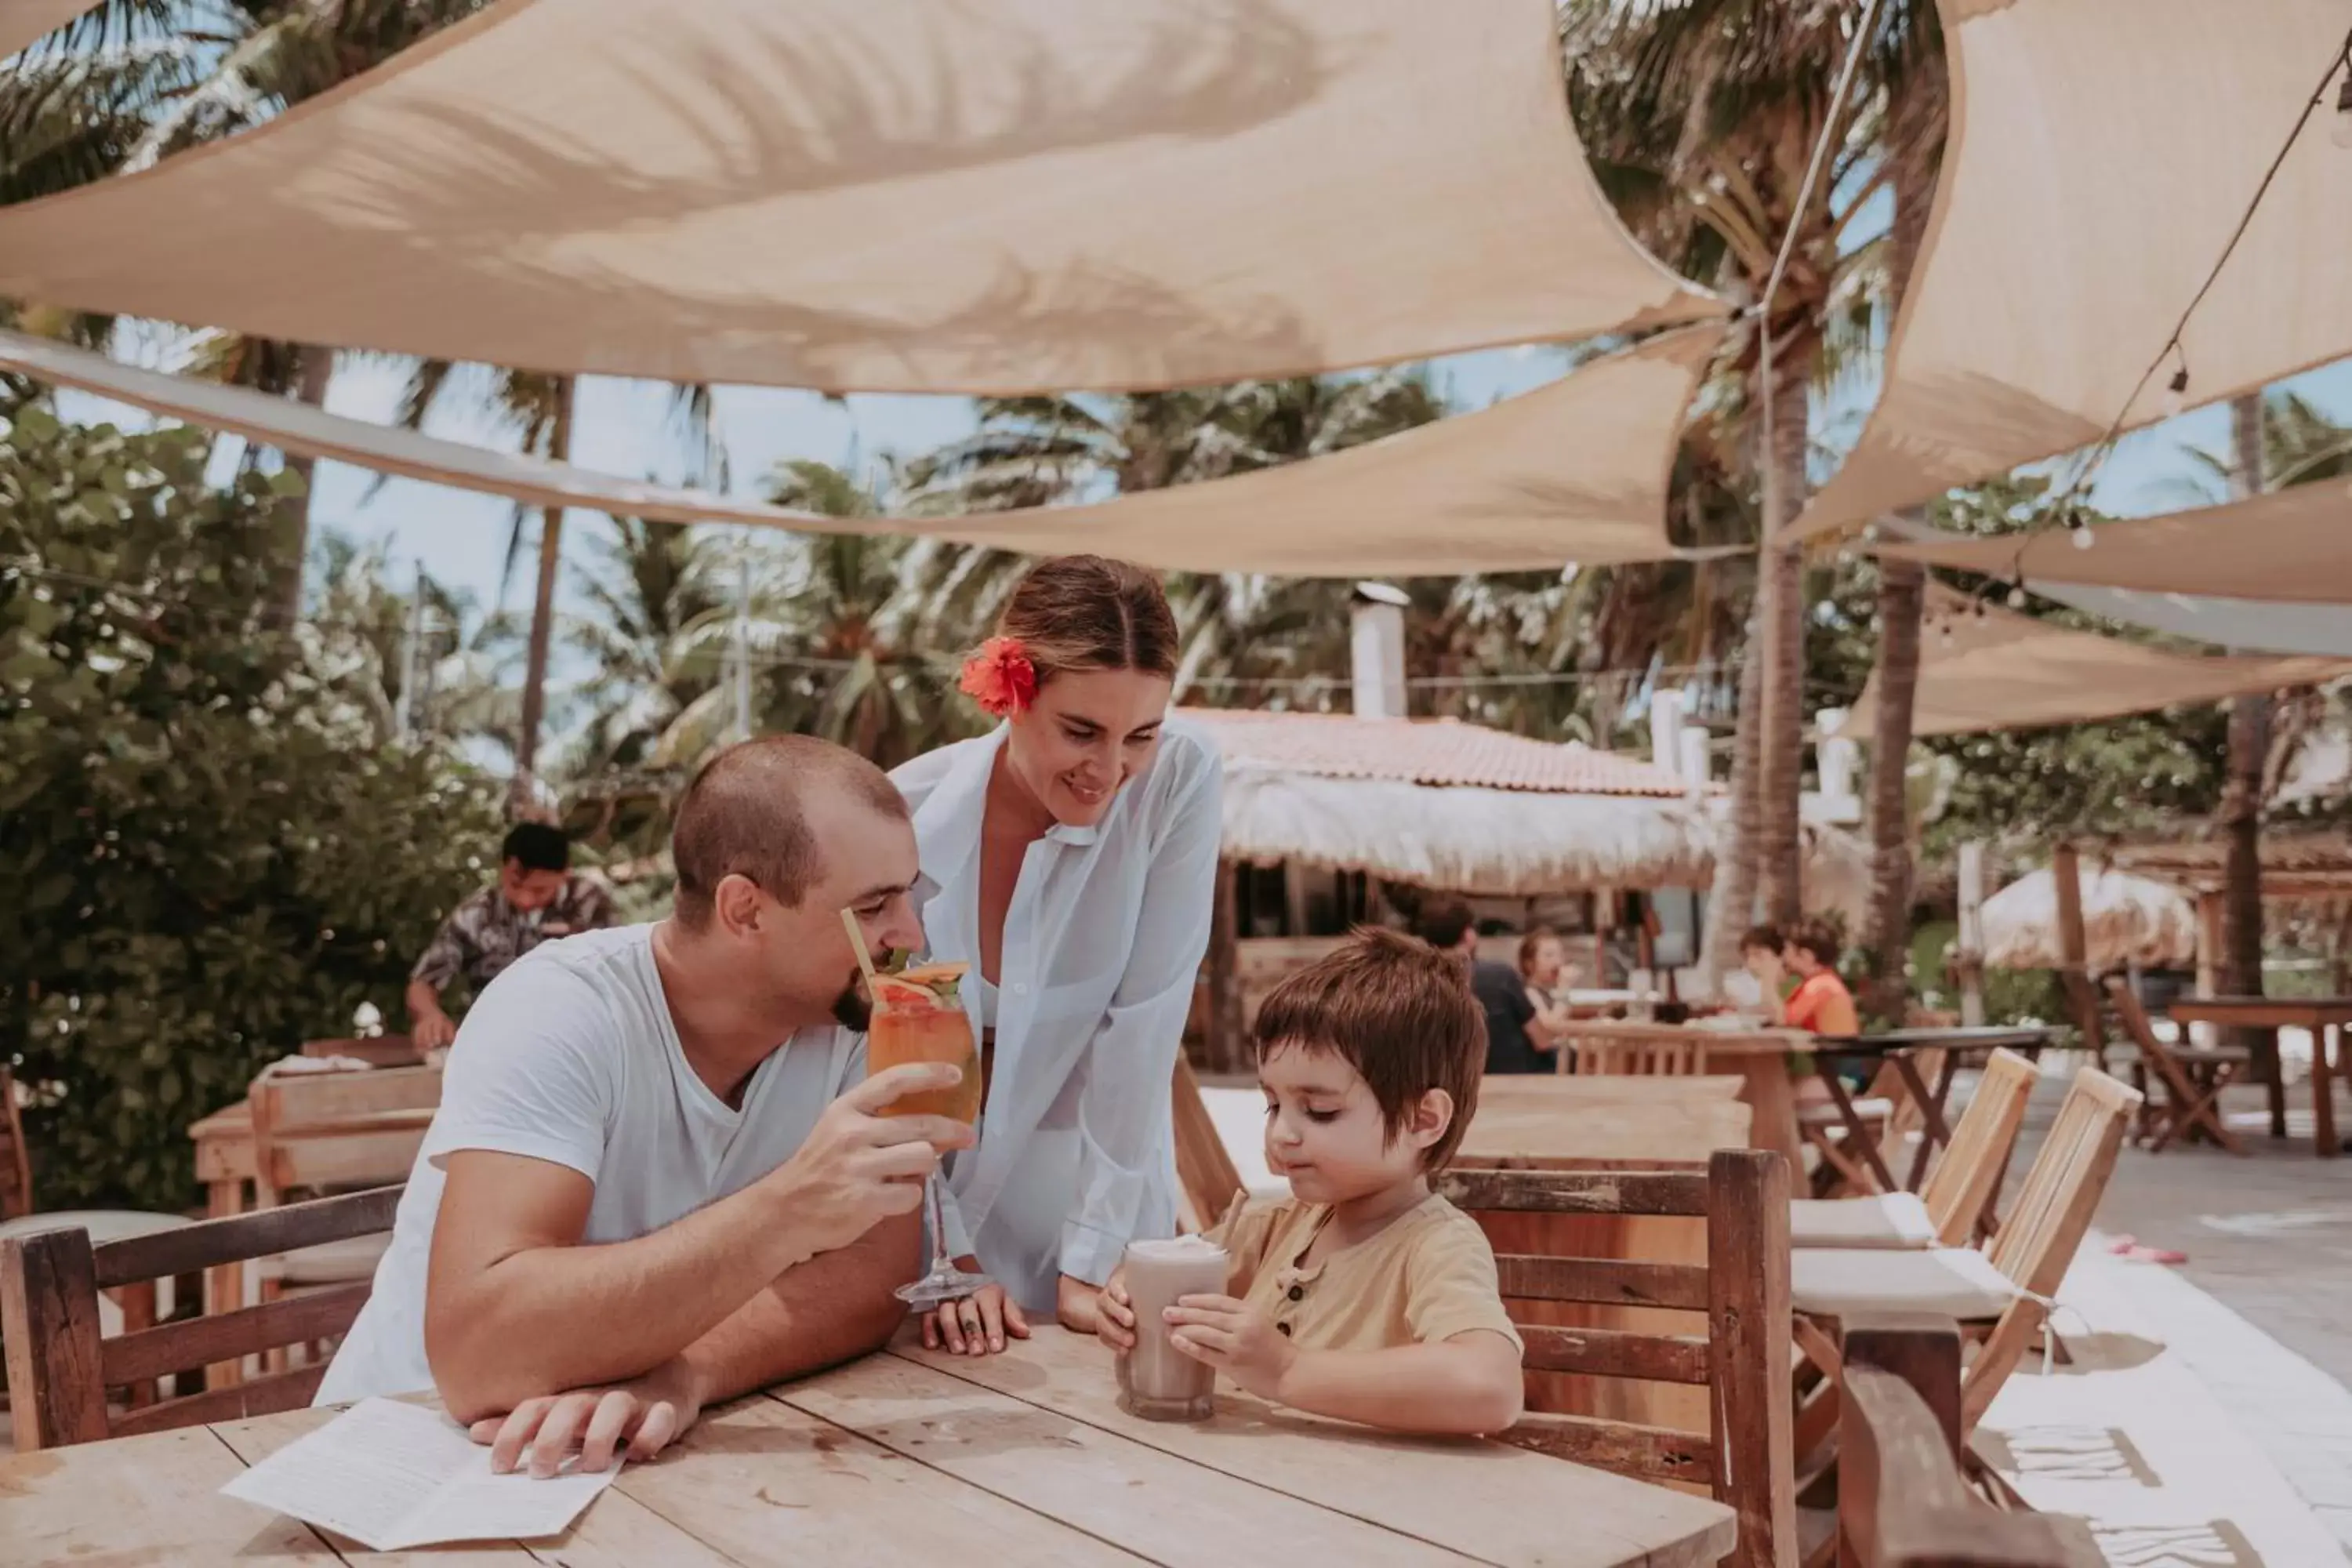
(657, 1176)
(536, 898)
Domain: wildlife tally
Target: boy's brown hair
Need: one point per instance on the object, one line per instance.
(1763, 939)
(1400, 1013)
(1820, 939)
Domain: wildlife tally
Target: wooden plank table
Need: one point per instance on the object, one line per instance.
(2323, 1017)
(912, 1460)
(1760, 1057)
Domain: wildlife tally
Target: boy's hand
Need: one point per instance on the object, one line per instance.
(1115, 1315)
(1243, 1345)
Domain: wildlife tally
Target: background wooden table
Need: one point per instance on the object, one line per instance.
(2323, 1016)
(909, 1460)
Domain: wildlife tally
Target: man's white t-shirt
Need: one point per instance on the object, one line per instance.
(570, 1057)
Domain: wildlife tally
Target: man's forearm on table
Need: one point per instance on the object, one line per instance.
(424, 999)
(552, 1317)
(833, 1307)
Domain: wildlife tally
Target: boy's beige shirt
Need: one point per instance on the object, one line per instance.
(1430, 1275)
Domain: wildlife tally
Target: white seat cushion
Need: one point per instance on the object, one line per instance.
(103, 1224)
(1824, 1113)
(1897, 1221)
(1949, 1281)
(331, 1262)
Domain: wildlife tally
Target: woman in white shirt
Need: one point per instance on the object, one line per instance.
(1075, 850)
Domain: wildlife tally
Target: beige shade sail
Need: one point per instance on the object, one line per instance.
(2103, 152)
(895, 196)
(1576, 470)
(26, 22)
(2291, 545)
(2004, 671)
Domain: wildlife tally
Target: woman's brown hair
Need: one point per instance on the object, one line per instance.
(1086, 612)
(1531, 942)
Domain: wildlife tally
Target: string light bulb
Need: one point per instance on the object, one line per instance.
(2176, 393)
(2341, 131)
(2017, 598)
(2080, 534)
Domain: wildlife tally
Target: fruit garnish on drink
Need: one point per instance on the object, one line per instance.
(926, 987)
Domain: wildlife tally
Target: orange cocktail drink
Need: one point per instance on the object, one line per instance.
(919, 1017)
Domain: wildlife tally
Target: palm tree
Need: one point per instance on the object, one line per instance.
(1701, 118)
(371, 641)
(650, 582)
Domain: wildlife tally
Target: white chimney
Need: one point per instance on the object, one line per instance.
(1696, 761)
(1665, 730)
(1377, 645)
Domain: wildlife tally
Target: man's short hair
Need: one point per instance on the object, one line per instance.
(538, 847)
(1399, 1013)
(1763, 939)
(744, 816)
(1443, 924)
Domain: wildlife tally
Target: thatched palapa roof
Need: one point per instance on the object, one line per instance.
(2126, 920)
(1440, 803)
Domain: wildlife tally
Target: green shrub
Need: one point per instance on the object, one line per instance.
(208, 853)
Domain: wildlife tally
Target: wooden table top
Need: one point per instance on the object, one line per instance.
(912, 1460)
(1536, 1121)
(2264, 1012)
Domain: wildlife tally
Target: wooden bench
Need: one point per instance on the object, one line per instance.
(60, 1368)
(1746, 1458)
(1903, 1499)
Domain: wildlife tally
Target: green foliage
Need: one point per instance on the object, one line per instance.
(207, 854)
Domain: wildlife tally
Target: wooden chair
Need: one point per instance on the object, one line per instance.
(1206, 1177)
(2193, 1075)
(60, 1368)
(2004, 1291)
(1616, 1056)
(1903, 1500)
(1746, 1458)
(1956, 1201)
(15, 1160)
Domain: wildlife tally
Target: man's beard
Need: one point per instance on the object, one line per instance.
(851, 1009)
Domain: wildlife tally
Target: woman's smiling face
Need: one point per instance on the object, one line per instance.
(1087, 733)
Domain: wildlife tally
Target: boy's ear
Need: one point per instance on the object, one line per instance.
(1432, 1113)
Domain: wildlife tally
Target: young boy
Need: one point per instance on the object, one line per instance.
(1821, 1001)
(1363, 1295)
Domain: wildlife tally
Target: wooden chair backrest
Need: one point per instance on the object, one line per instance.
(1617, 1056)
(1964, 1179)
(60, 1369)
(317, 1130)
(1903, 1500)
(1206, 1177)
(1747, 1459)
(2046, 1225)
(377, 1050)
(16, 1159)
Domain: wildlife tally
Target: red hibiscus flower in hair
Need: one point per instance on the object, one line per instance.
(1000, 677)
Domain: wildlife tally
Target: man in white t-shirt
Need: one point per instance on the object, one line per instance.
(657, 1178)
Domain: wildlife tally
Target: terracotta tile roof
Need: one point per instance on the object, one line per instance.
(1426, 752)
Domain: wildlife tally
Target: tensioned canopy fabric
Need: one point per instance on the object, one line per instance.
(2293, 545)
(25, 22)
(895, 196)
(2006, 671)
(1575, 470)
(2103, 150)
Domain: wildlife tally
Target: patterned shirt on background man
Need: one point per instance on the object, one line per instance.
(485, 935)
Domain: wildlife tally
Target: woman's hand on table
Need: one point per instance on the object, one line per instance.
(1115, 1316)
(977, 1325)
(1073, 1304)
(1243, 1345)
(636, 1419)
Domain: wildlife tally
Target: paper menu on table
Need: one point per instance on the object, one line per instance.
(392, 1476)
